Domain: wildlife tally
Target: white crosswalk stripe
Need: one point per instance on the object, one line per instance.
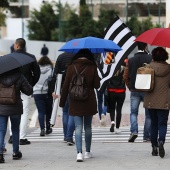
(99, 134)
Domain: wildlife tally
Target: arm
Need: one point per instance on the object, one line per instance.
(35, 72)
(96, 82)
(126, 76)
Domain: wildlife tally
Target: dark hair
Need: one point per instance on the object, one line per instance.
(141, 45)
(45, 61)
(21, 42)
(84, 53)
(159, 54)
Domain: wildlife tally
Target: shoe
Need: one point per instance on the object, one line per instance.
(42, 132)
(117, 131)
(103, 120)
(2, 160)
(132, 137)
(17, 156)
(154, 151)
(146, 140)
(88, 155)
(24, 142)
(4, 151)
(48, 131)
(65, 140)
(70, 142)
(161, 149)
(10, 140)
(112, 127)
(79, 157)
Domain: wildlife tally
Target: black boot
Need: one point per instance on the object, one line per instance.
(161, 149)
(154, 151)
(2, 160)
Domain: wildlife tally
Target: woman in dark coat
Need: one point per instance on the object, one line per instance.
(13, 111)
(82, 111)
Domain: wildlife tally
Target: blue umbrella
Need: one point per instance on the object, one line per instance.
(95, 45)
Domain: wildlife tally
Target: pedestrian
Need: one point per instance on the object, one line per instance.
(44, 50)
(82, 111)
(43, 99)
(157, 101)
(68, 121)
(13, 111)
(32, 73)
(116, 91)
(136, 96)
(12, 48)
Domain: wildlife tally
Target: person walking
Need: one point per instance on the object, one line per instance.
(44, 50)
(32, 73)
(43, 99)
(157, 101)
(116, 90)
(13, 111)
(136, 96)
(82, 111)
(68, 122)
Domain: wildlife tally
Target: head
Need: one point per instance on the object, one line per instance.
(159, 54)
(45, 61)
(44, 45)
(84, 53)
(19, 44)
(142, 46)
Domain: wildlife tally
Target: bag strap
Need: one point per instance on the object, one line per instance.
(81, 71)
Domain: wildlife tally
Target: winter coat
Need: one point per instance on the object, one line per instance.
(159, 97)
(41, 86)
(10, 78)
(89, 106)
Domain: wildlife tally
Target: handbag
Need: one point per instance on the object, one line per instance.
(144, 78)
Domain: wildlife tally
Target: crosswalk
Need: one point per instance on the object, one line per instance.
(99, 134)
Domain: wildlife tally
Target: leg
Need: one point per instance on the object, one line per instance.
(10, 132)
(147, 126)
(100, 103)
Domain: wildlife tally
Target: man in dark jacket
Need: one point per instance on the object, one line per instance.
(44, 51)
(32, 73)
(136, 96)
(68, 122)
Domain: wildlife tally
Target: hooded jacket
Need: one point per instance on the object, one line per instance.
(8, 79)
(159, 97)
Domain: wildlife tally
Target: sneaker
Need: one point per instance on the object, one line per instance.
(2, 160)
(65, 140)
(17, 156)
(161, 149)
(48, 131)
(10, 140)
(112, 127)
(24, 142)
(88, 155)
(146, 140)
(42, 132)
(117, 131)
(70, 142)
(132, 137)
(154, 151)
(103, 120)
(79, 157)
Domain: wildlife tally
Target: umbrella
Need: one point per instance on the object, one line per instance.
(156, 37)
(95, 45)
(14, 60)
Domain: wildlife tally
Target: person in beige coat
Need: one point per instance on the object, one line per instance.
(158, 100)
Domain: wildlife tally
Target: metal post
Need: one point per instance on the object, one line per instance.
(22, 18)
(159, 12)
(59, 22)
(126, 10)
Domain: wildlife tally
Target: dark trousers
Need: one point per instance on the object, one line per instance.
(159, 119)
(116, 101)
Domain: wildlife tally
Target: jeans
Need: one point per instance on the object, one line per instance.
(15, 124)
(68, 122)
(79, 120)
(159, 119)
(135, 99)
(101, 108)
(44, 106)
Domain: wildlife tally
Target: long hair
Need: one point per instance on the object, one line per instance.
(45, 61)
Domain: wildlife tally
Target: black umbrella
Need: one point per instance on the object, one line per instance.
(14, 60)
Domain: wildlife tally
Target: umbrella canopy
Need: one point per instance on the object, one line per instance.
(14, 60)
(156, 37)
(95, 45)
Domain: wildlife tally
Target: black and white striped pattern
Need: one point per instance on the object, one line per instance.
(118, 32)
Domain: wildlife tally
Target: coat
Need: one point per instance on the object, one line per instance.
(10, 78)
(159, 97)
(86, 107)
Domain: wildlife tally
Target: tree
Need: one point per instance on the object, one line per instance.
(3, 5)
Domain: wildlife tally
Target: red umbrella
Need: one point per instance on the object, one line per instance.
(156, 37)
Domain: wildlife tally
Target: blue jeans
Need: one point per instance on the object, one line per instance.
(44, 106)
(101, 108)
(68, 122)
(159, 119)
(79, 120)
(135, 99)
(15, 124)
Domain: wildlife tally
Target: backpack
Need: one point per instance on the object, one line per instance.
(144, 78)
(7, 94)
(78, 89)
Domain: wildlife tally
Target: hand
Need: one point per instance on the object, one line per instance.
(55, 96)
